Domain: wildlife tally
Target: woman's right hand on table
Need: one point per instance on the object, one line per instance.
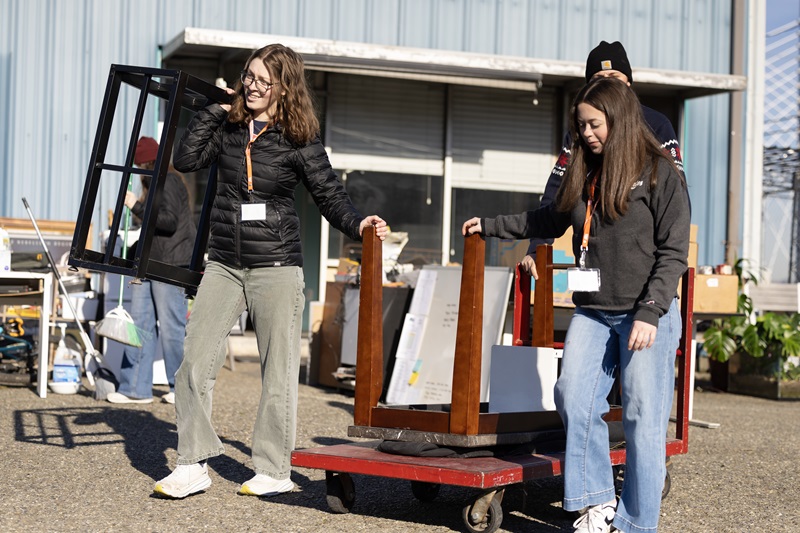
(471, 227)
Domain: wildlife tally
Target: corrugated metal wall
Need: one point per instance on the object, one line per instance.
(55, 57)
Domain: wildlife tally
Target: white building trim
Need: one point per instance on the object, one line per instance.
(510, 72)
(376, 163)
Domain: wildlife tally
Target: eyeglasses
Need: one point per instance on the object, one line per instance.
(248, 79)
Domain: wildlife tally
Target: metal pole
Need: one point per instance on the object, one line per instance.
(736, 129)
(794, 253)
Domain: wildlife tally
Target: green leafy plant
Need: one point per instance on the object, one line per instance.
(771, 339)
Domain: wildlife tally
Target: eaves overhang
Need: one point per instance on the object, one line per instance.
(441, 66)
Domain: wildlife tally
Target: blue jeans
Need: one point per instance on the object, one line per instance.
(274, 299)
(596, 345)
(159, 310)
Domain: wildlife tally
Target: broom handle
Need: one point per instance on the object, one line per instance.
(54, 268)
(127, 215)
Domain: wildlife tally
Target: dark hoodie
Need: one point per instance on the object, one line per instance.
(641, 256)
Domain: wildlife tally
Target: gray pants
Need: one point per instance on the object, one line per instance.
(274, 299)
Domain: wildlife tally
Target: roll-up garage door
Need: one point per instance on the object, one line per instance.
(502, 140)
(383, 121)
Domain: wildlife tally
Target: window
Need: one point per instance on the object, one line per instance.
(409, 203)
(468, 203)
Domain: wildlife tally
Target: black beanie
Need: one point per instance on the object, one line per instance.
(608, 57)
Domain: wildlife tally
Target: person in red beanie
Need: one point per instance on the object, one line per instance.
(158, 309)
(146, 151)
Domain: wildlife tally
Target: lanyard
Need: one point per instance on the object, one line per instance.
(253, 137)
(587, 222)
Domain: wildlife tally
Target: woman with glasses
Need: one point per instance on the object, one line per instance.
(264, 144)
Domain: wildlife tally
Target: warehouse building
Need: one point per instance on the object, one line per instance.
(432, 111)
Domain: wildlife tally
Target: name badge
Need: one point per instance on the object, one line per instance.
(256, 211)
(583, 279)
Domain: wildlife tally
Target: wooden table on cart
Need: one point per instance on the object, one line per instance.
(465, 422)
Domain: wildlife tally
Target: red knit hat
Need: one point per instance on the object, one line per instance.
(146, 151)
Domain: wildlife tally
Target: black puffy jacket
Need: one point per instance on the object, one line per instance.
(278, 166)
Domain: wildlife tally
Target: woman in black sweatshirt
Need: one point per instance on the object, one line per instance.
(629, 209)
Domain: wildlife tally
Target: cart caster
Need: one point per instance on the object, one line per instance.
(619, 476)
(341, 493)
(485, 514)
(667, 485)
(425, 492)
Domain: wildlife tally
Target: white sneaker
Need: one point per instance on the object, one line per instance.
(118, 397)
(263, 485)
(597, 519)
(169, 398)
(184, 480)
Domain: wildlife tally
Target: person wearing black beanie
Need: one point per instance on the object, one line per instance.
(606, 60)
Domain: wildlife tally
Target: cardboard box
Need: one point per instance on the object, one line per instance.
(716, 294)
(562, 253)
(693, 233)
(693, 255)
(347, 270)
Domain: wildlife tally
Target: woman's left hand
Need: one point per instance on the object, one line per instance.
(381, 229)
(643, 335)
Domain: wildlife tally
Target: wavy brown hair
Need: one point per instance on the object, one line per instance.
(630, 149)
(295, 109)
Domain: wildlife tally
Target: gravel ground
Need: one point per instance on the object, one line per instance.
(71, 463)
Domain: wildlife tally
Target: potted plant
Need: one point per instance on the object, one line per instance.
(762, 352)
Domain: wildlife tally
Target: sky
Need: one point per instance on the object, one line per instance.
(780, 12)
(781, 115)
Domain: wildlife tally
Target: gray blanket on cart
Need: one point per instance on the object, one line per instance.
(429, 449)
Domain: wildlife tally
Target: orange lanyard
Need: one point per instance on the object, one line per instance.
(253, 137)
(587, 222)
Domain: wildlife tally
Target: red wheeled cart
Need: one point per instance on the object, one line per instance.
(464, 425)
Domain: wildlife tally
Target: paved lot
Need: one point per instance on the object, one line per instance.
(70, 463)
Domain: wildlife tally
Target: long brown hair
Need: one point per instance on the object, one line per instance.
(295, 109)
(630, 148)
(150, 165)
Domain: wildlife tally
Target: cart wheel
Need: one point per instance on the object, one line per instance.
(490, 522)
(341, 493)
(619, 476)
(425, 492)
